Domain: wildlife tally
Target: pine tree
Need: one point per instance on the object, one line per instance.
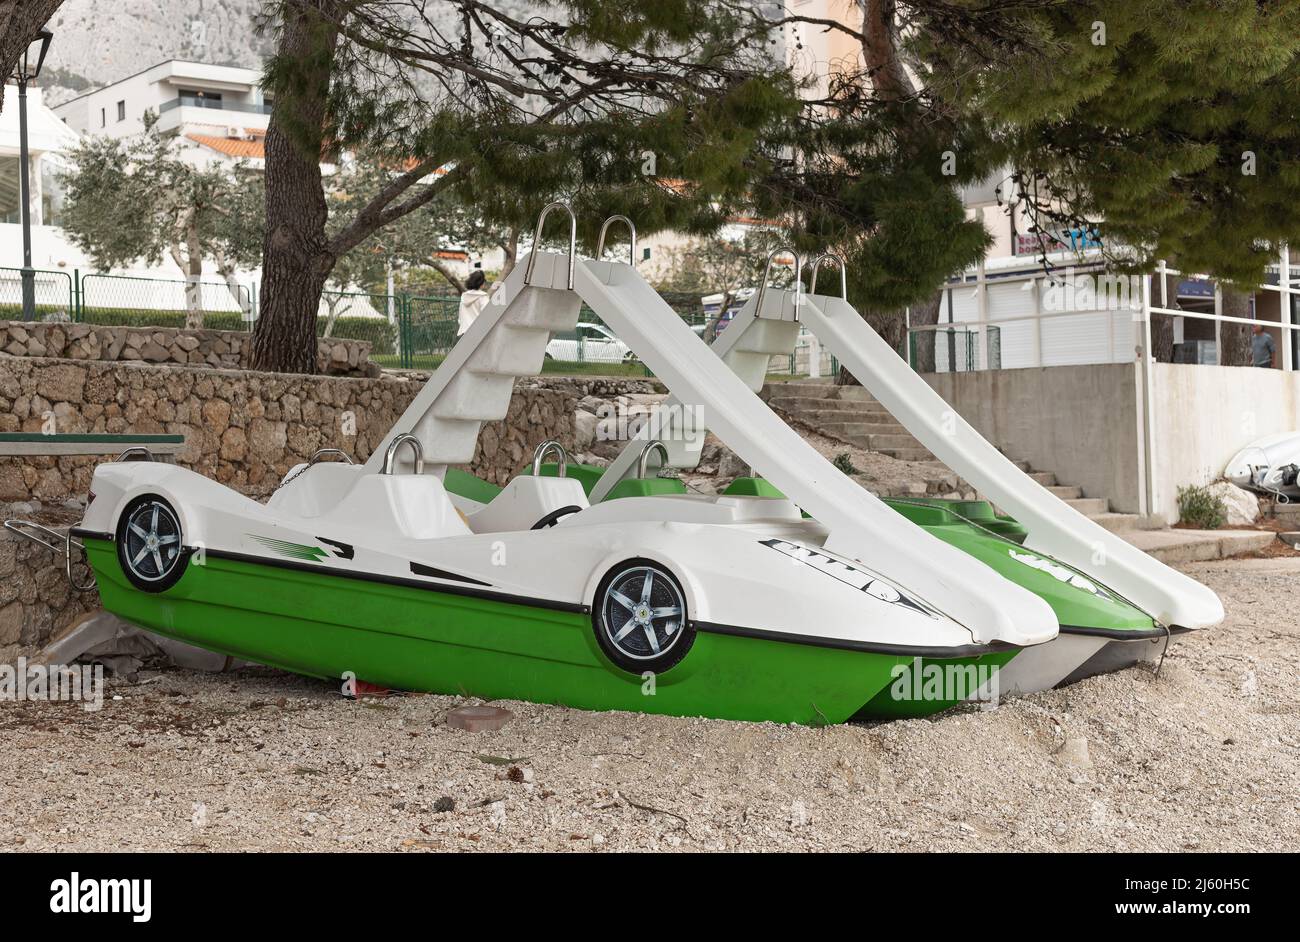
(1170, 127)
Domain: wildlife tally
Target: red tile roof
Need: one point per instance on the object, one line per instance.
(234, 146)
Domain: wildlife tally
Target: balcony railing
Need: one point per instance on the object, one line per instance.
(189, 101)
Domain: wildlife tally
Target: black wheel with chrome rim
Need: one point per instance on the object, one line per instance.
(640, 617)
(149, 544)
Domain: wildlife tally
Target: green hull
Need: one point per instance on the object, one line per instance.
(408, 638)
(904, 700)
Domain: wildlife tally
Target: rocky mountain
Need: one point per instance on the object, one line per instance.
(101, 41)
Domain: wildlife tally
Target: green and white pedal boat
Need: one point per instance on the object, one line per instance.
(1093, 619)
(653, 604)
(1115, 605)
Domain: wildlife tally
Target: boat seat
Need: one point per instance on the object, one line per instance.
(415, 506)
(526, 500)
(309, 491)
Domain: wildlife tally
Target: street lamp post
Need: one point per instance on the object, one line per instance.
(27, 72)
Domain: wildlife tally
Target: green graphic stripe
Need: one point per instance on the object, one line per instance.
(292, 550)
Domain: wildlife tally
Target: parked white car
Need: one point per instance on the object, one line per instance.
(589, 343)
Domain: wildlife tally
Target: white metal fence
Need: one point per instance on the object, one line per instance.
(1073, 317)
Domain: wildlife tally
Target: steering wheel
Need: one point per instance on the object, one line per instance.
(552, 518)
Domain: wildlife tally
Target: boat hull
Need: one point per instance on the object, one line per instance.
(926, 686)
(420, 639)
(1119, 655)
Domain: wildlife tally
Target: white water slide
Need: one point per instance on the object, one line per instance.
(1055, 528)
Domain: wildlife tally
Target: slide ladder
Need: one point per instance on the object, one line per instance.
(746, 346)
(474, 383)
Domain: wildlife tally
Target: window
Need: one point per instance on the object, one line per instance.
(51, 191)
(10, 201)
(645, 255)
(121, 111)
(191, 98)
(103, 118)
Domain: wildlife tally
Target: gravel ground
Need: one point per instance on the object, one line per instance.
(1206, 756)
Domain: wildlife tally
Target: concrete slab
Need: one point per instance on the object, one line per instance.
(1275, 564)
(1185, 546)
(102, 635)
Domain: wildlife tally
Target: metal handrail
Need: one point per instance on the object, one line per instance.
(64, 545)
(537, 239)
(322, 453)
(604, 227)
(137, 450)
(539, 455)
(390, 453)
(767, 271)
(844, 278)
(644, 460)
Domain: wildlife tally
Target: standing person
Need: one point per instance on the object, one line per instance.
(472, 300)
(1261, 347)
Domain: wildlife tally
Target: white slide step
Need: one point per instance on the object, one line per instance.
(861, 526)
(1055, 528)
(474, 383)
(746, 346)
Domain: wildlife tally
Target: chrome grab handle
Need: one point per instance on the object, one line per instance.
(323, 453)
(44, 536)
(839, 260)
(137, 450)
(540, 455)
(390, 454)
(67, 564)
(644, 460)
(767, 271)
(537, 240)
(600, 241)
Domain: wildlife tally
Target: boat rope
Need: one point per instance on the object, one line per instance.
(317, 456)
(1163, 651)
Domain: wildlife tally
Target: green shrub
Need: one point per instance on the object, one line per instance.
(149, 317)
(1200, 507)
(844, 463)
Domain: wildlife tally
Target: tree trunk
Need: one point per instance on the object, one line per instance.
(296, 254)
(240, 294)
(892, 328)
(332, 306)
(1235, 338)
(925, 314)
(511, 249)
(448, 274)
(20, 21)
(1162, 325)
(193, 278)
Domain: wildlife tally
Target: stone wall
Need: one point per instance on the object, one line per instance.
(243, 429)
(222, 349)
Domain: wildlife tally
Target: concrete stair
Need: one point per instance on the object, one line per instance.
(852, 415)
(1096, 509)
(847, 413)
